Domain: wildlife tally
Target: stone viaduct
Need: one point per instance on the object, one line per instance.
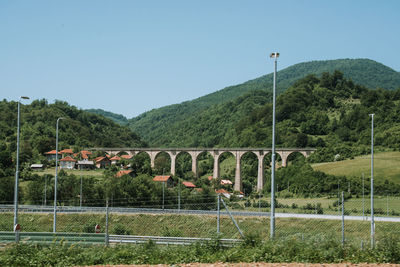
(215, 153)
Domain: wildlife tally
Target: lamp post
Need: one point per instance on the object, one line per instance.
(55, 180)
(17, 166)
(274, 55)
(372, 182)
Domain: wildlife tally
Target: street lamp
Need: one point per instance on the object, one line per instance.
(17, 166)
(372, 182)
(55, 180)
(274, 55)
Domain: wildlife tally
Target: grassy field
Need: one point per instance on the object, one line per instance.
(198, 226)
(95, 173)
(386, 166)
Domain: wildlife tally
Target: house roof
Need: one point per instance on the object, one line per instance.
(224, 182)
(210, 178)
(84, 156)
(115, 158)
(68, 158)
(85, 162)
(123, 172)
(222, 191)
(52, 152)
(126, 156)
(86, 152)
(188, 184)
(161, 178)
(98, 159)
(37, 166)
(66, 151)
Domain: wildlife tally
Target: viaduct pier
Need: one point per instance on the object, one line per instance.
(284, 153)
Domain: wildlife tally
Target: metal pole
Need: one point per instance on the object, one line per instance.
(55, 181)
(17, 171)
(233, 219)
(163, 193)
(45, 190)
(342, 218)
(179, 195)
(80, 195)
(372, 183)
(363, 200)
(17, 165)
(107, 214)
(272, 223)
(387, 205)
(219, 213)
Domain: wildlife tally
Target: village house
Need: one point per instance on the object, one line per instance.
(165, 179)
(85, 164)
(67, 163)
(37, 167)
(115, 160)
(188, 184)
(66, 152)
(125, 172)
(51, 155)
(102, 162)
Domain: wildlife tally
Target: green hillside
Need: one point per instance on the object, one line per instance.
(386, 167)
(154, 125)
(79, 129)
(118, 118)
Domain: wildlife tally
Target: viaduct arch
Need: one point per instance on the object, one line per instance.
(284, 153)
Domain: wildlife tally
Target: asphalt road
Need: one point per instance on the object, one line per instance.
(74, 209)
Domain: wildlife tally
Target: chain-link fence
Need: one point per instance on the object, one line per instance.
(231, 218)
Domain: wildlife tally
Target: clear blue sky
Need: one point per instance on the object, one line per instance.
(131, 56)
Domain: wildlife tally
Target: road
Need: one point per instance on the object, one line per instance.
(74, 209)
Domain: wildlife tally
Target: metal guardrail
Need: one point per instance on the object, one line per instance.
(48, 238)
(75, 209)
(160, 240)
(101, 239)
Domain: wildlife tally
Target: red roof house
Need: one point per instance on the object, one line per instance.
(188, 184)
(124, 172)
(67, 163)
(164, 178)
(51, 155)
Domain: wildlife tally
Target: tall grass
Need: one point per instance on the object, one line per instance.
(289, 250)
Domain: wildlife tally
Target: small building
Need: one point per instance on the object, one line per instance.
(226, 182)
(51, 155)
(85, 164)
(126, 157)
(165, 179)
(67, 163)
(37, 167)
(115, 160)
(131, 173)
(188, 184)
(66, 152)
(102, 162)
(224, 193)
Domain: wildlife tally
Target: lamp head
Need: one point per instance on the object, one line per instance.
(274, 55)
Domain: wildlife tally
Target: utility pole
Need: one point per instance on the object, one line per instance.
(274, 55)
(372, 183)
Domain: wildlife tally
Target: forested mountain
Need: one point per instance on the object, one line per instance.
(78, 129)
(329, 112)
(157, 125)
(118, 118)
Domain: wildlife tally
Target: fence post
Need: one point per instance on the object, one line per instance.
(219, 213)
(107, 213)
(342, 219)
